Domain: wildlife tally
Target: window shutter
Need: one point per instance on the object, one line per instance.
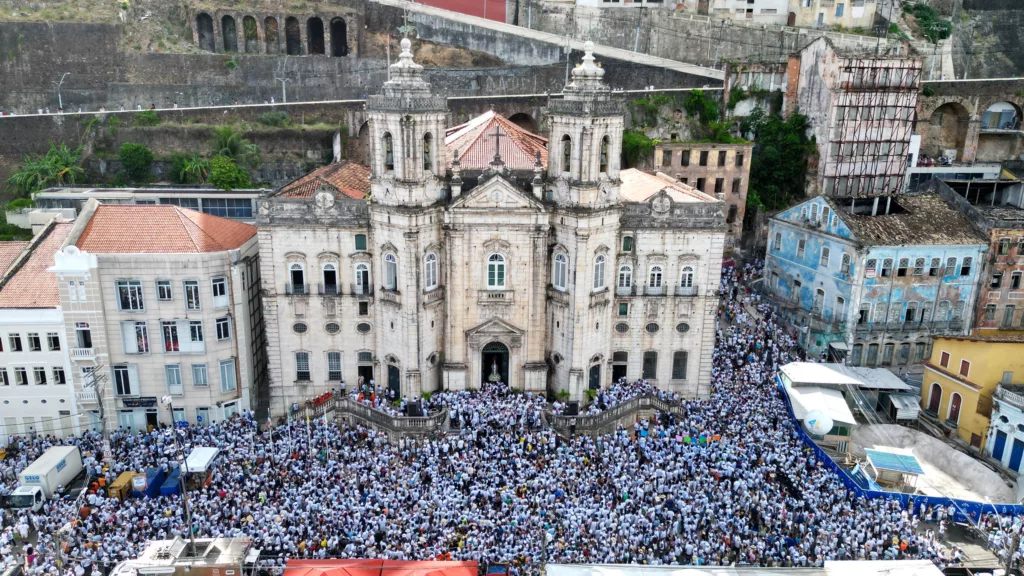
(131, 344)
(133, 378)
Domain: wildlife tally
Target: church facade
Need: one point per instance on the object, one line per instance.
(545, 266)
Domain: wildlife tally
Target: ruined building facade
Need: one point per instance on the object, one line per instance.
(561, 274)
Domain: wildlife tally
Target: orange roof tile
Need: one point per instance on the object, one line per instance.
(160, 229)
(639, 186)
(31, 286)
(475, 144)
(349, 179)
(8, 252)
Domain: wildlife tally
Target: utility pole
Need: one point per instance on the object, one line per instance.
(284, 89)
(721, 31)
(182, 470)
(94, 381)
(639, 22)
(60, 101)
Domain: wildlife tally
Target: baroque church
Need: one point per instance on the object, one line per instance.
(480, 251)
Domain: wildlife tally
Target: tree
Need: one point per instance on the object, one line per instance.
(228, 142)
(58, 167)
(192, 169)
(136, 159)
(778, 168)
(226, 175)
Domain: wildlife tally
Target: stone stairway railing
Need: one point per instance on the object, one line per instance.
(609, 420)
(395, 426)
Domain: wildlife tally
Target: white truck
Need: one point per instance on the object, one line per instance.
(58, 466)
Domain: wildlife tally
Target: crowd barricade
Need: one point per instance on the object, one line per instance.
(966, 511)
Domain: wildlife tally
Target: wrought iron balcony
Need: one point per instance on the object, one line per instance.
(296, 289)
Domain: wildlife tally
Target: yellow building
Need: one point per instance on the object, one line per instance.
(821, 13)
(960, 377)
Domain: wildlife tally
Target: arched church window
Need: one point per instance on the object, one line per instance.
(430, 271)
(599, 272)
(427, 149)
(390, 272)
(604, 154)
(566, 153)
(561, 272)
(389, 152)
(496, 272)
(625, 276)
(686, 281)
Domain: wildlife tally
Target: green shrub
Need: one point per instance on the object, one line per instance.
(932, 26)
(19, 204)
(113, 123)
(699, 105)
(226, 175)
(58, 167)
(635, 147)
(275, 118)
(146, 118)
(136, 159)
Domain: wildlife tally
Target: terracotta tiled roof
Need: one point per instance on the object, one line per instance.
(474, 141)
(160, 229)
(32, 286)
(639, 186)
(8, 252)
(348, 179)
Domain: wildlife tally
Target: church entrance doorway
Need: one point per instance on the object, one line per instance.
(394, 381)
(595, 377)
(495, 363)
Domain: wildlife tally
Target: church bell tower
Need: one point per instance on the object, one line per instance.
(407, 130)
(585, 140)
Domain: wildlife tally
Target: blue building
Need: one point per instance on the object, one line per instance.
(1006, 431)
(874, 278)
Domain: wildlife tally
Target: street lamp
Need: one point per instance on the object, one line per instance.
(182, 469)
(284, 90)
(60, 102)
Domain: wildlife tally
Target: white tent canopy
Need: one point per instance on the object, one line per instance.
(200, 460)
(800, 374)
(829, 401)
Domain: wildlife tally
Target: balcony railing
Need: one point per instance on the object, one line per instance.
(495, 296)
(654, 291)
(625, 290)
(688, 291)
(559, 296)
(87, 397)
(902, 326)
(329, 289)
(1011, 397)
(296, 289)
(361, 289)
(83, 353)
(397, 425)
(392, 296)
(599, 298)
(434, 295)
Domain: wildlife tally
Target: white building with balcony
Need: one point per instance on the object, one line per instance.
(36, 393)
(1006, 432)
(161, 300)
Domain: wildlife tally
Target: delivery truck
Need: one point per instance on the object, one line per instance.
(58, 466)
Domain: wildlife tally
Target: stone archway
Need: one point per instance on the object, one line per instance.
(315, 36)
(230, 33)
(270, 35)
(204, 28)
(339, 38)
(524, 121)
(250, 31)
(947, 130)
(292, 36)
(494, 363)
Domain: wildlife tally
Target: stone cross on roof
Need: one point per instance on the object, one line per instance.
(497, 145)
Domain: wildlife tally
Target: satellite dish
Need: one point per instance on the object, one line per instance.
(817, 422)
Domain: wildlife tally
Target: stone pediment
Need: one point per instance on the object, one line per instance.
(495, 327)
(498, 194)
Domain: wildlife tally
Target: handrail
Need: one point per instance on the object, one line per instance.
(437, 422)
(597, 422)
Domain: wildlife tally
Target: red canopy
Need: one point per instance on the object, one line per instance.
(372, 567)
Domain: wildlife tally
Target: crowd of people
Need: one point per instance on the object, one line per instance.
(750, 492)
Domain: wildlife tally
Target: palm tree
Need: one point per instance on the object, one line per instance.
(59, 167)
(228, 142)
(194, 169)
